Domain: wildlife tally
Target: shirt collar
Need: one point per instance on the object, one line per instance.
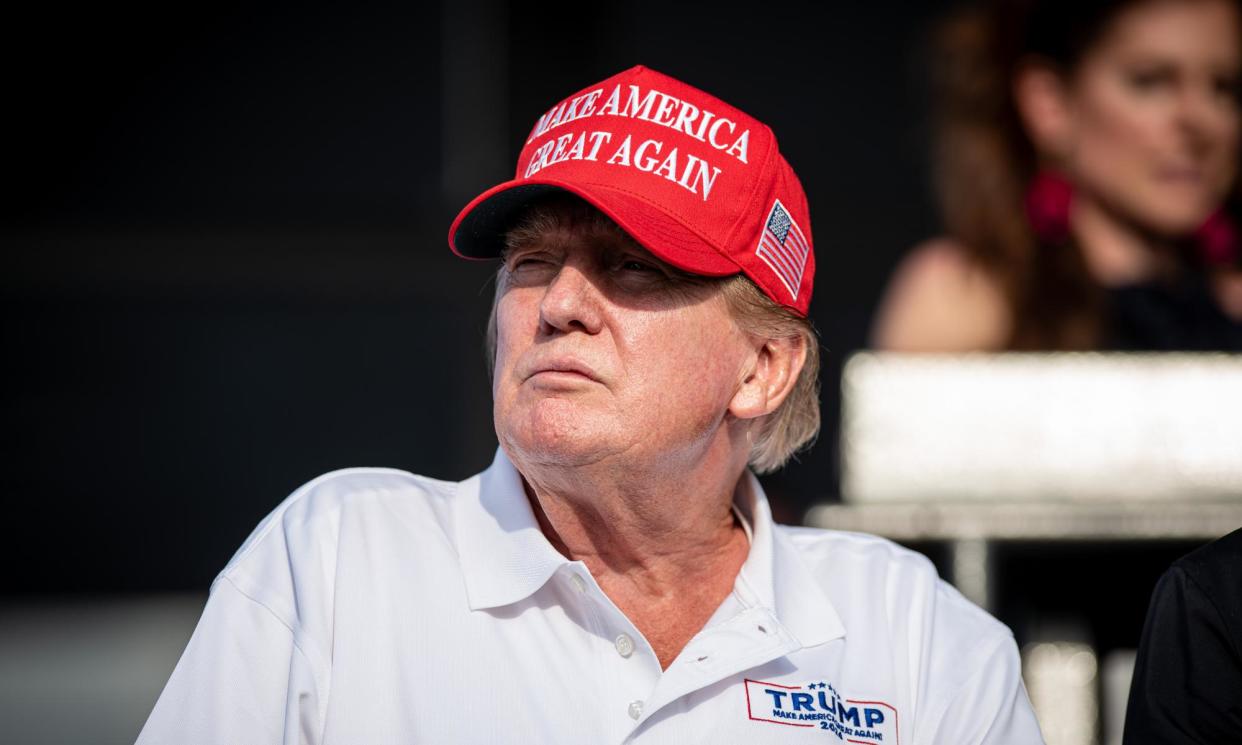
(776, 576)
(505, 557)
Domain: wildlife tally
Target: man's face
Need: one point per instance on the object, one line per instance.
(604, 350)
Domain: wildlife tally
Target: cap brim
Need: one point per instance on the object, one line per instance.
(479, 230)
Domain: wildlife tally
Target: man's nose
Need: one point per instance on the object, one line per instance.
(571, 301)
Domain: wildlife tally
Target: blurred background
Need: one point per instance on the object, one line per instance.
(224, 230)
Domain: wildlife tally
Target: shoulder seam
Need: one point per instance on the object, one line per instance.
(293, 634)
(288, 626)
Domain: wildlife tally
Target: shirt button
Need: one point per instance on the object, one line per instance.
(578, 583)
(625, 648)
(636, 709)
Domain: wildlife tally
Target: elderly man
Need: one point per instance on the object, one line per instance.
(615, 575)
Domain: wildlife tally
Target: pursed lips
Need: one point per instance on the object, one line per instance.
(563, 365)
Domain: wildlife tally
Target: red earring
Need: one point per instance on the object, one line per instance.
(1048, 201)
(1217, 240)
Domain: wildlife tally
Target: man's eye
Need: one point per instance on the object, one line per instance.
(520, 263)
(530, 269)
(634, 265)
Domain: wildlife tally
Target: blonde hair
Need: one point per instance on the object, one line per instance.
(794, 424)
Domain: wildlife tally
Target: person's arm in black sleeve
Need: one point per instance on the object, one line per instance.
(1187, 685)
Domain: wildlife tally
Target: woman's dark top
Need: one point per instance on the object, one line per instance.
(1165, 317)
(1187, 685)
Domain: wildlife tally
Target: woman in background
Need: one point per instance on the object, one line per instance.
(1086, 158)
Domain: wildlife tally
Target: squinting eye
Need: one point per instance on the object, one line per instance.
(528, 261)
(637, 266)
(530, 269)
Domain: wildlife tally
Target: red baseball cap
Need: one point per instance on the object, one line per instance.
(695, 181)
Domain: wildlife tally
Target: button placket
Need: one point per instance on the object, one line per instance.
(730, 648)
(632, 673)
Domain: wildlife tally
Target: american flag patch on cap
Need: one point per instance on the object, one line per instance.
(784, 248)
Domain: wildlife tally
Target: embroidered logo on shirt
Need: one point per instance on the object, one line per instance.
(818, 705)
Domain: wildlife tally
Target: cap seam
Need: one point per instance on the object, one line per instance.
(772, 153)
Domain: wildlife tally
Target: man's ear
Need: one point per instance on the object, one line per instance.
(1042, 99)
(771, 377)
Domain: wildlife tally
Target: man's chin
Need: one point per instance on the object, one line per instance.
(573, 449)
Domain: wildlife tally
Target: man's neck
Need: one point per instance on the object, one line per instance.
(665, 548)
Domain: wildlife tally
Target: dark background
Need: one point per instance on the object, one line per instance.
(224, 230)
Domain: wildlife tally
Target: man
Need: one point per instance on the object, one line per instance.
(615, 576)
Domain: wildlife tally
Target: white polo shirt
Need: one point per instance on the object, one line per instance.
(374, 606)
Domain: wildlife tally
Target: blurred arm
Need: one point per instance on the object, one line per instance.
(938, 301)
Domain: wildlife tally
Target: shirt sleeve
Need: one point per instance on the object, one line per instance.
(242, 679)
(991, 706)
(1187, 685)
